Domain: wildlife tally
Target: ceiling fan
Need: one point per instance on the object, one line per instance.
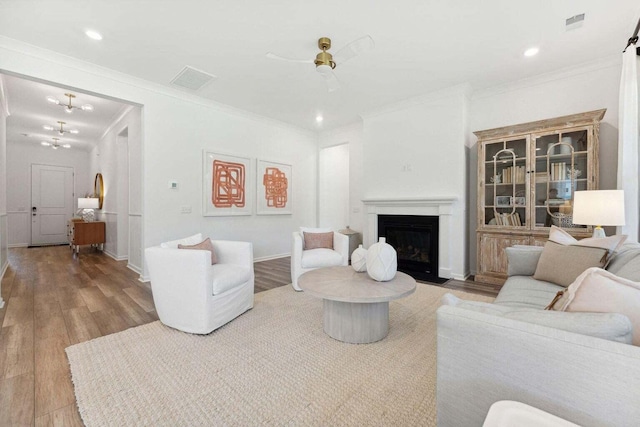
(325, 62)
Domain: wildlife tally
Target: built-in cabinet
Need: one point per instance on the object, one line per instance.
(527, 176)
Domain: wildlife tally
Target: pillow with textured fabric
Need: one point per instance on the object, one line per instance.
(610, 243)
(312, 230)
(561, 264)
(318, 240)
(191, 240)
(205, 245)
(597, 290)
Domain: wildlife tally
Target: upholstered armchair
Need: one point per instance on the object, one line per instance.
(191, 294)
(303, 260)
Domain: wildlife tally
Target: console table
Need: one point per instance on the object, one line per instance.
(86, 233)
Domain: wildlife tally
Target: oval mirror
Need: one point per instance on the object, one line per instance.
(98, 189)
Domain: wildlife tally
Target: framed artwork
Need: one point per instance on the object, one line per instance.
(273, 184)
(226, 185)
(503, 201)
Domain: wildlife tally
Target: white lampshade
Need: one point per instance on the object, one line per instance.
(88, 203)
(598, 207)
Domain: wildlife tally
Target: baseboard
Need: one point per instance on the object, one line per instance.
(270, 257)
(18, 245)
(4, 270)
(461, 277)
(144, 279)
(114, 256)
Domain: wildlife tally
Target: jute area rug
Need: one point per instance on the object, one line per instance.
(273, 365)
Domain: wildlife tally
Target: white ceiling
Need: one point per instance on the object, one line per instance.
(421, 45)
(30, 111)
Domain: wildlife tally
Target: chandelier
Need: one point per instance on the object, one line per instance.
(55, 145)
(68, 107)
(60, 131)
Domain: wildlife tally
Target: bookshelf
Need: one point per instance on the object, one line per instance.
(527, 175)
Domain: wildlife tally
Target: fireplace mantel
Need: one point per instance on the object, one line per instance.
(442, 206)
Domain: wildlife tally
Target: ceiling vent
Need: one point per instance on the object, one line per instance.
(574, 22)
(191, 78)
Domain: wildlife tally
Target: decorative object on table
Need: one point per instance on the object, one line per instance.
(495, 179)
(359, 259)
(355, 238)
(599, 207)
(273, 184)
(87, 206)
(574, 173)
(98, 189)
(382, 261)
(226, 189)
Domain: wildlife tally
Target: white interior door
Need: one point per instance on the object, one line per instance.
(51, 203)
(333, 200)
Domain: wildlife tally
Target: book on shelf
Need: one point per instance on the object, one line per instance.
(558, 171)
(514, 174)
(510, 219)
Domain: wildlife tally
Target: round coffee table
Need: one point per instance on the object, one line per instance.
(355, 307)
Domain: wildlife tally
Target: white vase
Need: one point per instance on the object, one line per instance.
(382, 261)
(359, 259)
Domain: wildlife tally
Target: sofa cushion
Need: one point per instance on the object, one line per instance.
(626, 262)
(205, 245)
(522, 260)
(598, 290)
(609, 326)
(318, 240)
(561, 264)
(227, 276)
(525, 291)
(191, 240)
(316, 258)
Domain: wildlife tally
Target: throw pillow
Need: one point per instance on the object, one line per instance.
(191, 240)
(610, 243)
(597, 290)
(312, 230)
(205, 245)
(561, 264)
(318, 240)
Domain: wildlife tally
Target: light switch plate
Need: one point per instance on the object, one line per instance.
(173, 185)
(185, 209)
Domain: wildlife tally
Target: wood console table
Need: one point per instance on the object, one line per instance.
(86, 233)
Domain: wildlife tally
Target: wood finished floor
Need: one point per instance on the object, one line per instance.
(54, 300)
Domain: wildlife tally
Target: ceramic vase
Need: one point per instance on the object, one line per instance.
(359, 259)
(382, 261)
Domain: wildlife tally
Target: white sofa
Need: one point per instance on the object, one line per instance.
(578, 366)
(194, 296)
(306, 260)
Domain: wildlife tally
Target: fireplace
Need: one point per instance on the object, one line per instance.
(415, 239)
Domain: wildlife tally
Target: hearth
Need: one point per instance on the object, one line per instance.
(415, 239)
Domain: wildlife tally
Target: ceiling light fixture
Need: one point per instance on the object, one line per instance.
(68, 107)
(92, 34)
(55, 145)
(532, 51)
(60, 131)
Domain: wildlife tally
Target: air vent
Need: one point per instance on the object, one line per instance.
(574, 22)
(191, 78)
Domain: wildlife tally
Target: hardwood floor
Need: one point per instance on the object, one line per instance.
(54, 300)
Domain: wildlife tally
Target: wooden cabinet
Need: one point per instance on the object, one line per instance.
(86, 233)
(527, 176)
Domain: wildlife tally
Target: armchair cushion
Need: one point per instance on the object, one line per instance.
(227, 276)
(205, 245)
(316, 258)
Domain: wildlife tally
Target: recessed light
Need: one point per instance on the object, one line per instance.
(319, 118)
(93, 35)
(532, 51)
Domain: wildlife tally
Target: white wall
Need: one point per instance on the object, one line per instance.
(21, 156)
(176, 127)
(569, 91)
(333, 187)
(4, 259)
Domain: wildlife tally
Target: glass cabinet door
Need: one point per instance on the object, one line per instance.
(505, 188)
(561, 166)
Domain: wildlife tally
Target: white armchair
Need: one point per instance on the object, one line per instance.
(307, 260)
(194, 296)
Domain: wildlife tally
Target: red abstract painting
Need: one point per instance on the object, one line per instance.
(228, 184)
(275, 184)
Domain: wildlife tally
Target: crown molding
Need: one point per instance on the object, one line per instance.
(614, 61)
(101, 72)
(4, 101)
(117, 117)
(462, 90)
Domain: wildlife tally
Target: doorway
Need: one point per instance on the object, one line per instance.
(122, 173)
(51, 203)
(333, 188)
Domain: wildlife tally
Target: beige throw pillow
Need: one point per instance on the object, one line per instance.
(561, 264)
(318, 240)
(597, 290)
(610, 243)
(205, 245)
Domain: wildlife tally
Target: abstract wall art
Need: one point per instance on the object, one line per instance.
(226, 186)
(273, 183)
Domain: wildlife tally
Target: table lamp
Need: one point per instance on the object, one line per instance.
(598, 207)
(87, 205)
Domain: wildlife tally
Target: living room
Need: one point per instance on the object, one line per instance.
(408, 144)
